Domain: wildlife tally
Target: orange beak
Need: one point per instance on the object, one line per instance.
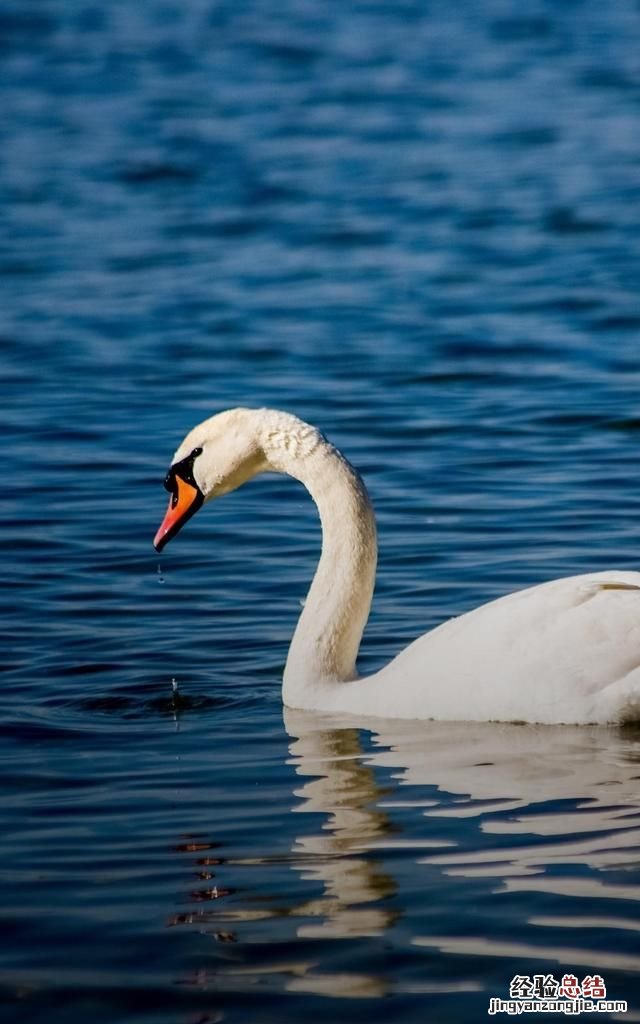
(184, 502)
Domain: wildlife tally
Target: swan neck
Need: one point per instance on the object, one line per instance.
(327, 638)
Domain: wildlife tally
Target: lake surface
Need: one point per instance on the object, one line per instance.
(416, 225)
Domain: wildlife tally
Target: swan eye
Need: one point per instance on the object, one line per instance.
(184, 470)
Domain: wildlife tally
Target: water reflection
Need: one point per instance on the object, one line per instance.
(557, 812)
(415, 830)
(344, 788)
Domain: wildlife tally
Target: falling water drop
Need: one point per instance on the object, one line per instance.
(175, 700)
(160, 576)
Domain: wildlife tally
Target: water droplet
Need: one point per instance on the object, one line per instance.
(174, 686)
(160, 576)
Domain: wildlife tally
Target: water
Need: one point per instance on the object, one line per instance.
(417, 226)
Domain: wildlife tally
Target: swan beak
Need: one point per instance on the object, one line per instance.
(184, 502)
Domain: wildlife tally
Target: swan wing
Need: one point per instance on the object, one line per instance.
(567, 651)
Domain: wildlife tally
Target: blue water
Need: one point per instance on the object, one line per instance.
(418, 226)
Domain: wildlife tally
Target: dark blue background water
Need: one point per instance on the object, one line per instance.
(417, 225)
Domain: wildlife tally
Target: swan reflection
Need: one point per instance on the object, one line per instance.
(572, 791)
(344, 788)
(414, 833)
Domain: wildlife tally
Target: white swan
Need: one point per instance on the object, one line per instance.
(561, 652)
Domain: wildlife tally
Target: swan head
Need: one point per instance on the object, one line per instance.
(216, 457)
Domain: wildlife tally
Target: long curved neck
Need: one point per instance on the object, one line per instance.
(327, 637)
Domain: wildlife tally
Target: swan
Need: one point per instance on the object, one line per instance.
(567, 651)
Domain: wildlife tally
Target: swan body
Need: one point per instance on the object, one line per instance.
(567, 651)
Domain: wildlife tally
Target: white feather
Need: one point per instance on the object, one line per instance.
(562, 652)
